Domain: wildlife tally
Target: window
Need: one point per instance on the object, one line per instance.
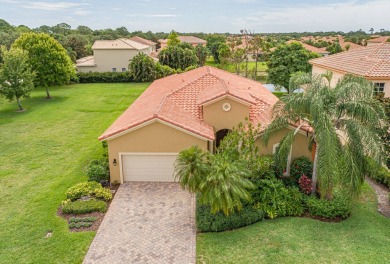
(113, 69)
(123, 69)
(379, 87)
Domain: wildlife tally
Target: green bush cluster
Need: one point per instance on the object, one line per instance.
(98, 170)
(208, 222)
(92, 189)
(381, 175)
(103, 77)
(272, 197)
(74, 225)
(301, 166)
(339, 206)
(82, 219)
(84, 207)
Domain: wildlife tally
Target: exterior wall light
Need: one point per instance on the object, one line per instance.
(114, 162)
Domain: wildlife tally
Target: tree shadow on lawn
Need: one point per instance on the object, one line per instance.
(32, 105)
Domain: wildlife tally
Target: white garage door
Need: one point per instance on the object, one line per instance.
(148, 167)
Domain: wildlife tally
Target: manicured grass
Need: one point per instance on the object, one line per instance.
(363, 238)
(261, 66)
(42, 153)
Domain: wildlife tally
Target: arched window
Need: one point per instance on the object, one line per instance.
(220, 135)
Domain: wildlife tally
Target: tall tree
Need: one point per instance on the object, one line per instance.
(177, 57)
(201, 53)
(16, 76)
(345, 121)
(214, 42)
(173, 39)
(48, 58)
(142, 68)
(334, 48)
(286, 60)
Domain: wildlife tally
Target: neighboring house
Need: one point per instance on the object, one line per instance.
(114, 55)
(377, 41)
(198, 107)
(194, 41)
(311, 48)
(372, 62)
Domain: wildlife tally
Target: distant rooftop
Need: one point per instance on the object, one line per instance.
(379, 39)
(119, 44)
(370, 62)
(143, 41)
(186, 39)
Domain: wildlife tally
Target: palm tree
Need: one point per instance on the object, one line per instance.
(227, 185)
(191, 168)
(344, 120)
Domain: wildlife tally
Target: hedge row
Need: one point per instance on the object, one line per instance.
(208, 222)
(103, 77)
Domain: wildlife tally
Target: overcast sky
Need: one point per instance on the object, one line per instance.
(203, 15)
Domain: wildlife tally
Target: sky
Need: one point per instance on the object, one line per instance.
(259, 16)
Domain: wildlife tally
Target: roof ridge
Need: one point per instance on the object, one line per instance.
(222, 81)
(123, 40)
(259, 99)
(185, 85)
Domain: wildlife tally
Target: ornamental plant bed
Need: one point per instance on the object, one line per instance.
(99, 216)
(324, 219)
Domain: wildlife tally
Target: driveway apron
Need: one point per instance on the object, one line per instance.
(147, 223)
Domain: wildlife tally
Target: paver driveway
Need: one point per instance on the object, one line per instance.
(147, 223)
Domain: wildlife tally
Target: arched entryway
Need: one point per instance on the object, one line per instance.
(220, 135)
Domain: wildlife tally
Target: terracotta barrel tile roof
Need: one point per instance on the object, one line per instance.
(143, 41)
(372, 61)
(86, 61)
(186, 39)
(178, 99)
(119, 44)
(379, 39)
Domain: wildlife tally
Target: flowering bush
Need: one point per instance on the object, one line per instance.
(305, 184)
(91, 188)
(301, 166)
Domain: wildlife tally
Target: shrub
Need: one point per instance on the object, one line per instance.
(82, 219)
(381, 175)
(98, 170)
(340, 206)
(92, 189)
(305, 184)
(104, 77)
(84, 207)
(208, 222)
(301, 166)
(79, 224)
(272, 197)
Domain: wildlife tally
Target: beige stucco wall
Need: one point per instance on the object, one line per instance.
(299, 148)
(214, 115)
(155, 137)
(338, 75)
(106, 59)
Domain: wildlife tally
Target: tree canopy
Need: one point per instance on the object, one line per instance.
(286, 60)
(177, 57)
(16, 76)
(48, 58)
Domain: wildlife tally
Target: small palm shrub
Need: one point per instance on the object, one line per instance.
(84, 207)
(92, 189)
(301, 166)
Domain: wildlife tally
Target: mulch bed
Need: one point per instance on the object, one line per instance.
(99, 216)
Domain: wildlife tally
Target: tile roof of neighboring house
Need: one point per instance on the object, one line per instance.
(372, 61)
(143, 41)
(310, 47)
(86, 62)
(379, 39)
(186, 39)
(351, 45)
(119, 44)
(178, 99)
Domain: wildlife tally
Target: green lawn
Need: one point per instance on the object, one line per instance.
(43, 152)
(363, 238)
(261, 66)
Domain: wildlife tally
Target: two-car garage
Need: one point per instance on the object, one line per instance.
(150, 167)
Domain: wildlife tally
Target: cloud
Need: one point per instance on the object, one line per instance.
(51, 6)
(81, 13)
(343, 16)
(153, 15)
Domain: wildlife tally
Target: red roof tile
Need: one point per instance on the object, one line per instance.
(178, 100)
(372, 61)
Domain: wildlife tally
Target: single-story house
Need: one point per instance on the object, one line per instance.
(319, 51)
(197, 107)
(372, 62)
(114, 55)
(194, 41)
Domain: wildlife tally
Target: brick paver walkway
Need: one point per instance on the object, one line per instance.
(383, 197)
(147, 223)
